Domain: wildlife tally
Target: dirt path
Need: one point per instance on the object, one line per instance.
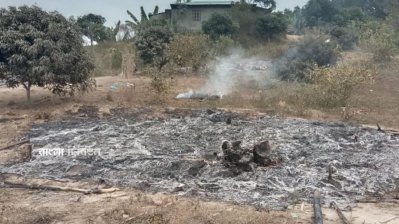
(129, 206)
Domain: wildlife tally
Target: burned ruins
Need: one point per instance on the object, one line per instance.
(212, 154)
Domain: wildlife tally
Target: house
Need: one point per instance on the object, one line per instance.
(189, 16)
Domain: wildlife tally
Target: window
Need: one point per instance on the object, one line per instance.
(196, 15)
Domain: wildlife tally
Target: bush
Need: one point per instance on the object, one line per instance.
(346, 37)
(116, 59)
(379, 40)
(151, 43)
(271, 26)
(334, 86)
(189, 50)
(300, 59)
(223, 45)
(219, 25)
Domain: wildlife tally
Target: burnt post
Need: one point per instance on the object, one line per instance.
(318, 215)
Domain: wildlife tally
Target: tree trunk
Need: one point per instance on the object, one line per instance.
(28, 95)
(27, 88)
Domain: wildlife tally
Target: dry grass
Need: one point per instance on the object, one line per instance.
(128, 207)
(162, 209)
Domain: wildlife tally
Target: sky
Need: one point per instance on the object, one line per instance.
(113, 10)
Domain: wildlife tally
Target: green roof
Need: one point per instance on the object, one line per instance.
(195, 3)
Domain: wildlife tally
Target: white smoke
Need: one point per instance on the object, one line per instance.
(229, 72)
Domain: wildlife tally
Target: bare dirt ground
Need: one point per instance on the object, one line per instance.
(130, 206)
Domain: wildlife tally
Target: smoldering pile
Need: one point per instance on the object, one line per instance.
(227, 73)
(183, 154)
(199, 96)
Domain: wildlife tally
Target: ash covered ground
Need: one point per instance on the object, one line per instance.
(175, 154)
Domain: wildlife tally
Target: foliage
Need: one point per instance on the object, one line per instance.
(245, 15)
(271, 26)
(296, 22)
(222, 46)
(151, 44)
(346, 37)
(116, 58)
(301, 58)
(160, 81)
(42, 49)
(270, 5)
(93, 27)
(374, 8)
(112, 32)
(378, 39)
(317, 12)
(334, 86)
(189, 50)
(219, 25)
(136, 24)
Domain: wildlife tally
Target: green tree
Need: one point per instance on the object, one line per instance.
(93, 27)
(112, 32)
(271, 26)
(317, 12)
(42, 49)
(270, 5)
(151, 45)
(219, 25)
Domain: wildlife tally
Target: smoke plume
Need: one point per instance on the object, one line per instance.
(229, 72)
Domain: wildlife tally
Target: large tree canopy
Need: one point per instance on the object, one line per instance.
(93, 27)
(42, 49)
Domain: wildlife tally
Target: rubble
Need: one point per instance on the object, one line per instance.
(182, 154)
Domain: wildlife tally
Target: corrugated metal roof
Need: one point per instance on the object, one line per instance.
(206, 3)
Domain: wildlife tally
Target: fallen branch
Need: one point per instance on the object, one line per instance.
(318, 215)
(339, 212)
(57, 188)
(14, 145)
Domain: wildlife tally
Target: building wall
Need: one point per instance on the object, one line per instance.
(182, 19)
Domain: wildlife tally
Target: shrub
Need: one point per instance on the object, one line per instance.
(116, 59)
(151, 43)
(219, 25)
(223, 45)
(189, 50)
(346, 37)
(379, 40)
(333, 86)
(160, 81)
(271, 26)
(313, 51)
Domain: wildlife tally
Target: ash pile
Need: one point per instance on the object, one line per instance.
(199, 96)
(186, 153)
